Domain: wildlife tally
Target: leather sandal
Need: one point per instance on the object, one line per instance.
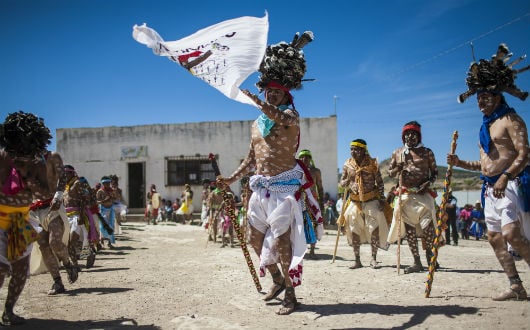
(356, 265)
(12, 319)
(517, 293)
(374, 264)
(289, 303)
(72, 272)
(90, 260)
(416, 268)
(275, 290)
(56, 289)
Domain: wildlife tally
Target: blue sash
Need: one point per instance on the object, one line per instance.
(309, 230)
(524, 186)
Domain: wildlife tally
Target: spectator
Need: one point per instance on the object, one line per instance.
(451, 231)
(175, 206)
(338, 205)
(185, 212)
(168, 210)
(329, 209)
(464, 221)
(477, 221)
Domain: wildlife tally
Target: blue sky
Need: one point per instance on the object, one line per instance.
(377, 64)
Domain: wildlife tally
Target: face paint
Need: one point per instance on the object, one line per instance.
(487, 103)
(306, 160)
(357, 153)
(411, 138)
(275, 96)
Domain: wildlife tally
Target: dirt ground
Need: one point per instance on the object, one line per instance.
(168, 277)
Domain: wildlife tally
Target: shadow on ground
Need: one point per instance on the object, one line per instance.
(34, 323)
(418, 314)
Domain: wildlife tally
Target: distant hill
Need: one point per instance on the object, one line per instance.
(460, 180)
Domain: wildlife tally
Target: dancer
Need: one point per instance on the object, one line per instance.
(312, 216)
(415, 166)
(78, 199)
(365, 219)
(48, 210)
(154, 201)
(504, 163)
(275, 215)
(105, 198)
(23, 173)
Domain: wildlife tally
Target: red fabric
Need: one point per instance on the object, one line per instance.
(184, 58)
(411, 127)
(40, 204)
(274, 84)
(13, 184)
(309, 182)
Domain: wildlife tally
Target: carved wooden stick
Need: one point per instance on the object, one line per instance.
(229, 209)
(439, 221)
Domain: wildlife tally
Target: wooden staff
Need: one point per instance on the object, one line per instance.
(345, 200)
(229, 209)
(439, 220)
(398, 251)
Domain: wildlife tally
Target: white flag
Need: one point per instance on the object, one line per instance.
(223, 55)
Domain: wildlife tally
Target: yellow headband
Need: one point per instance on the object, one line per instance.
(358, 144)
(305, 152)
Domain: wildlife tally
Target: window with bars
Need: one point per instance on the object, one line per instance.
(188, 169)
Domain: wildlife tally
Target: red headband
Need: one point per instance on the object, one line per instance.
(411, 127)
(276, 85)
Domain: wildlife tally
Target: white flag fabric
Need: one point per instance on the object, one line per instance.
(223, 55)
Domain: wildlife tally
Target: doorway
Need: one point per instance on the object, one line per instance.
(136, 185)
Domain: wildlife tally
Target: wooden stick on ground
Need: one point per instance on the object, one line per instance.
(340, 220)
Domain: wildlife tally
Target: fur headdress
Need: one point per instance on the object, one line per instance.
(24, 134)
(495, 75)
(285, 63)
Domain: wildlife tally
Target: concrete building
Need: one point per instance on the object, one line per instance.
(170, 155)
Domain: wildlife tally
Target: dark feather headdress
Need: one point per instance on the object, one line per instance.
(494, 75)
(24, 134)
(284, 63)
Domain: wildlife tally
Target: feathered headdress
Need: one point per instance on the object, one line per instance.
(494, 75)
(285, 63)
(24, 134)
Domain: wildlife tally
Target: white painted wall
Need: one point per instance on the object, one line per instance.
(95, 152)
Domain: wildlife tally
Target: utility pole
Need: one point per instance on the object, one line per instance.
(335, 97)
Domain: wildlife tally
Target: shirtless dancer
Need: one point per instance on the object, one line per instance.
(78, 200)
(23, 173)
(120, 207)
(48, 210)
(415, 167)
(504, 163)
(274, 213)
(215, 199)
(105, 198)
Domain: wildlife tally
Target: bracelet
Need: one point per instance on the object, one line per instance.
(58, 195)
(508, 174)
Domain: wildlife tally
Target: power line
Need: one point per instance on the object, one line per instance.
(448, 51)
